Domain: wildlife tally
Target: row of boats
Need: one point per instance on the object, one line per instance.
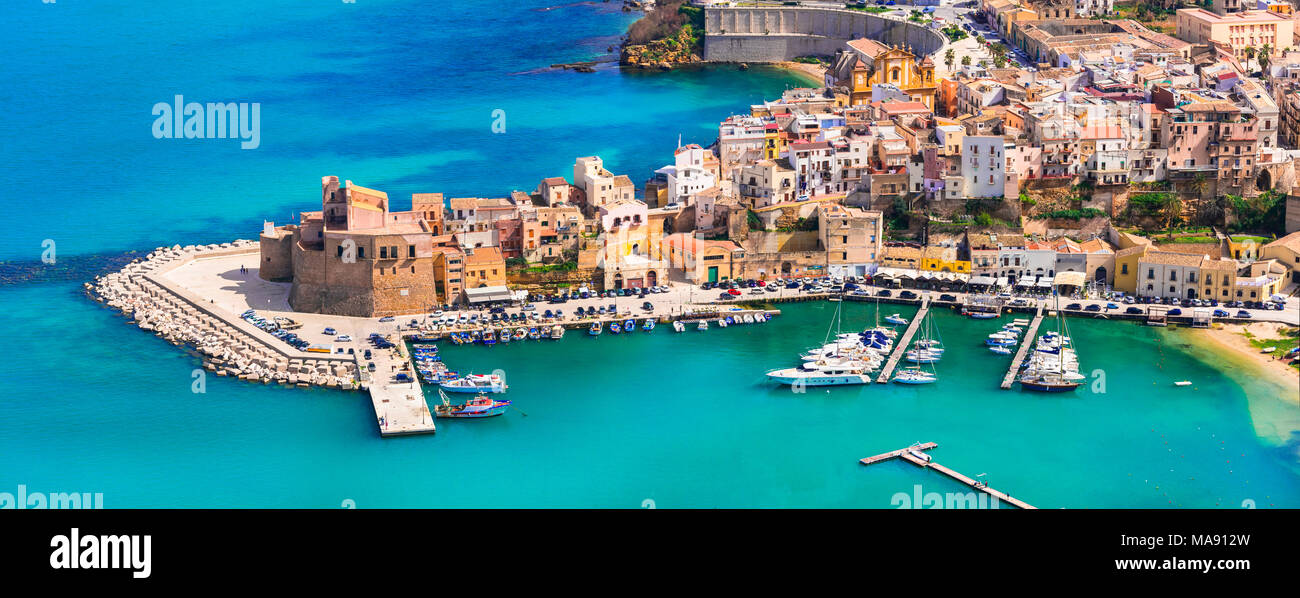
(648, 324)
(845, 359)
(432, 370)
(850, 358)
(628, 325)
(492, 336)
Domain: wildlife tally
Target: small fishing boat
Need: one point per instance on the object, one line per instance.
(479, 406)
(1268, 349)
(506, 335)
(922, 356)
(1183, 383)
(760, 317)
(722, 322)
(615, 328)
(648, 325)
(475, 383)
(982, 315)
(703, 325)
(521, 334)
(595, 329)
(534, 333)
(629, 325)
(895, 319)
(679, 326)
(748, 318)
(489, 337)
(1000, 349)
(557, 332)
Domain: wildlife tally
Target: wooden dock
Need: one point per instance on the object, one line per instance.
(1026, 345)
(906, 455)
(901, 348)
(895, 454)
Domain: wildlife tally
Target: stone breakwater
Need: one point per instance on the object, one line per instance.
(226, 347)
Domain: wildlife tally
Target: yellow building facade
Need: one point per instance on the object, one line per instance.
(881, 64)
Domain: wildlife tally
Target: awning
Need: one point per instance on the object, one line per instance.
(1046, 283)
(488, 294)
(1070, 279)
(984, 280)
(1003, 281)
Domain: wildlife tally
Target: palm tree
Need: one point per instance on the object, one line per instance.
(1265, 51)
(1212, 211)
(1172, 210)
(1200, 184)
(965, 60)
(949, 57)
(1249, 51)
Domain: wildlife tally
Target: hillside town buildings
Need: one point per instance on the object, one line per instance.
(882, 173)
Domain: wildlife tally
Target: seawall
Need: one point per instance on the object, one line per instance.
(775, 34)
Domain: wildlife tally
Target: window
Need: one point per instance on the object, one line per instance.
(410, 251)
(1123, 269)
(383, 253)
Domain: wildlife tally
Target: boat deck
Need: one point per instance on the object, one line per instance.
(1025, 346)
(901, 348)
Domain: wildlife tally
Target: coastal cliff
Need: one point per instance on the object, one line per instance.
(671, 34)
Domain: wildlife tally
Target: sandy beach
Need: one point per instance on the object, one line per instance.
(1230, 337)
(814, 73)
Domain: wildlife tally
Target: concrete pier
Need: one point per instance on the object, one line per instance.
(400, 408)
(1026, 345)
(900, 349)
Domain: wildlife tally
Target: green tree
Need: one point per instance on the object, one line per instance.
(1172, 210)
(1265, 51)
(949, 58)
(965, 60)
(1200, 183)
(1249, 51)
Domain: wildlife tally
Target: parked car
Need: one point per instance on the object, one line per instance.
(947, 297)
(885, 293)
(907, 295)
(1243, 314)
(1221, 313)
(733, 292)
(1133, 310)
(1092, 307)
(386, 319)
(648, 306)
(726, 295)
(1074, 307)
(1177, 311)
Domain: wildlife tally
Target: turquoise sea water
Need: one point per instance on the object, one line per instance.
(396, 97)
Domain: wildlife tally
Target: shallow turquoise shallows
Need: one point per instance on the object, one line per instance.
(396, 96)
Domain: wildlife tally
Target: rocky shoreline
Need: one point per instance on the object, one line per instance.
(225, 349)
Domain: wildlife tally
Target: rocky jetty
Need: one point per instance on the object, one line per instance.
(226, 349)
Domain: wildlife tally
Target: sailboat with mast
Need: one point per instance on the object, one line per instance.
(846, 361)
(1053, 366)
(924, 353)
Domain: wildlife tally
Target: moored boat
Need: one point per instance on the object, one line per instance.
(703, 325)
(557, 332)
(914, 376)
(475, 383)
(895, 319)
(594, 330)
(679, 326)
(479, 406)
(648, 324)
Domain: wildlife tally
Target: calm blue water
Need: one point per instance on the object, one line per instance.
(392, 96)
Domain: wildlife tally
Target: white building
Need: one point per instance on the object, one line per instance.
(984, 165)
(687, 175)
